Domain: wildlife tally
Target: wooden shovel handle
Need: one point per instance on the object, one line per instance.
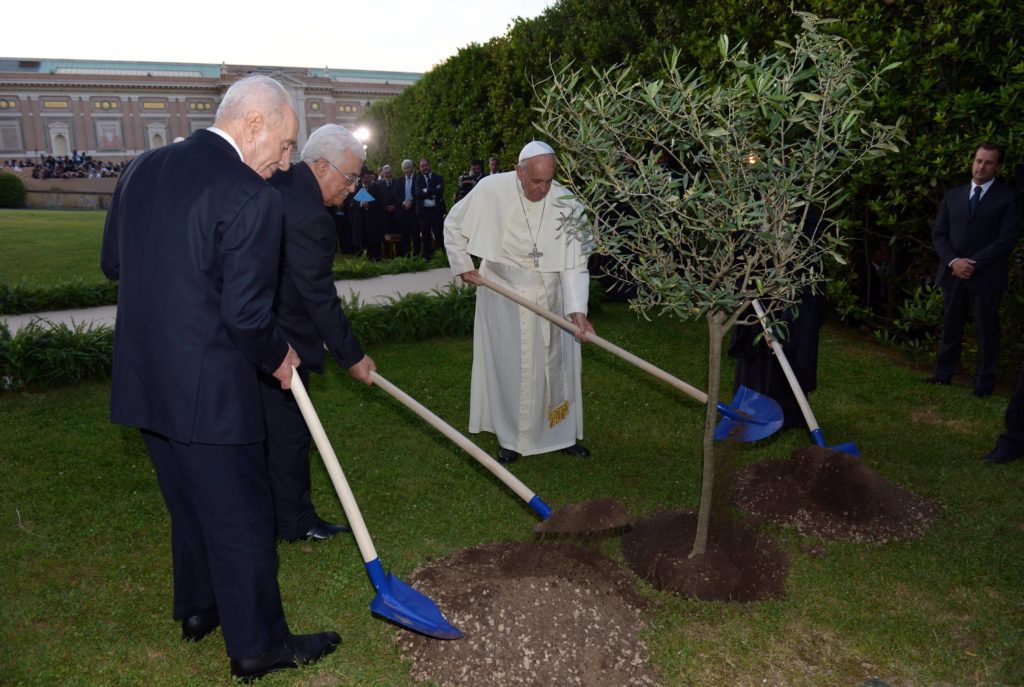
(464, 443)
(323, 445)
(787, 369)
(565, 324)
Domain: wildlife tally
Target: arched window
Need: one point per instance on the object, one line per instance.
(60, 137)
(156, 133)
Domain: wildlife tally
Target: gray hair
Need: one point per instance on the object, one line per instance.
(254, 92)
(331, 142)
(386, 168)
(406, 163)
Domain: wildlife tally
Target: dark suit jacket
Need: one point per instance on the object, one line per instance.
(429, 187)
(193, 236)
(393, 192)
(306, 305)
(987, 237)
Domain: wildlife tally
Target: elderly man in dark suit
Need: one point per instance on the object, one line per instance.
(310, 315)
(193, 235)
(406, 197)
(973, 234)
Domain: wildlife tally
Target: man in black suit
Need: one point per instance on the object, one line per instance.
(309, 314)
(1010, 444)
(406, 194)
(973, 234)
(430, 209)
(391, 200)
(193, 235)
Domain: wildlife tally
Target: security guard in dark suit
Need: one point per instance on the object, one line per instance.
(974, 233)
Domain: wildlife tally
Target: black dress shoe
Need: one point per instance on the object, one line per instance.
(507, 455)
(195, 627)
(998, 457)
(297, 650)
(325, 530)
(578, 450)
(942, 381)
(982, 393)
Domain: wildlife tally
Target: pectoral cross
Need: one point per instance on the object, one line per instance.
(536, 255)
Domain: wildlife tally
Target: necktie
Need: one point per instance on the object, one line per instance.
(975, 199)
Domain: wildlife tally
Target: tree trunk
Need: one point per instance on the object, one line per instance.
(716, 334)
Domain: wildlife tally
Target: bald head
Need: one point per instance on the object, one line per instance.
(256, 92)
(258, 115)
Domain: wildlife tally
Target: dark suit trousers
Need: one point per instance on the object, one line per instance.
(431, 231)
(1011, 442)
(222, 539)
(958, 302)
(287, 452)
(410, 230)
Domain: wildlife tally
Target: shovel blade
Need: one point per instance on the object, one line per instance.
(750, 416)
(401, 604)
(848, 447)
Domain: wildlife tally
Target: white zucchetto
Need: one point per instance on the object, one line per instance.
(535, 148)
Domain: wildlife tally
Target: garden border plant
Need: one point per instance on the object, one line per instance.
(24, 296)
(47, 354)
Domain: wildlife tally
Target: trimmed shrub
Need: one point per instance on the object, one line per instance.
(24, 297)
(45, 354)
(21, 297)
(12, 191)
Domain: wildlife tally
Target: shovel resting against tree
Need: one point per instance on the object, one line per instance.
(798, 392)
(751, 416)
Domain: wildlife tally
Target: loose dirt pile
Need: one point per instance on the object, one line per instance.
(602, 515)
(738, 565)
(551, 613)
(832, 495)
(533, 614)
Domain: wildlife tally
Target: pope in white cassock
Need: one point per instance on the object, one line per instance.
(526, 371)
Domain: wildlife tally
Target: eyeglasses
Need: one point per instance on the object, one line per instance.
(349, 179)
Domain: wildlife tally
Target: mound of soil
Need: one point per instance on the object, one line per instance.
(587, 517)
(832, 495)
(533, 614)
(738, 565)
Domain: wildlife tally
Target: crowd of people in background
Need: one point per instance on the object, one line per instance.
(75, 166)
(394, 215)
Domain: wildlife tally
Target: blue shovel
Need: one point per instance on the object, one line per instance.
(750, 417)
(396, 601)
(801, 398)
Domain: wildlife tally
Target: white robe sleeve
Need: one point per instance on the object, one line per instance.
(456, 238)
(575, 290)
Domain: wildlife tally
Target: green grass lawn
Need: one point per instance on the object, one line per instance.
(51, 246)
(85, 550)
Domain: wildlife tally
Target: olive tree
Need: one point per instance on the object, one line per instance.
(699, 185)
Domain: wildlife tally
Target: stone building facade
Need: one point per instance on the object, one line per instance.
(114, 111)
